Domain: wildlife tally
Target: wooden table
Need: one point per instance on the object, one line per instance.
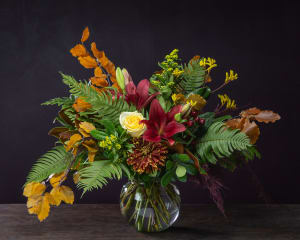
(103, 221)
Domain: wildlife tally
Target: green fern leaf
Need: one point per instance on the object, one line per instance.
(64, 102)
(220, 142)
(54, 161)
(104, 106)
(95, 175)
(193, 77)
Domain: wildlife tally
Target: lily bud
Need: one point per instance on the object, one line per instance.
(177, 117)
(127, 76)
(120, 78)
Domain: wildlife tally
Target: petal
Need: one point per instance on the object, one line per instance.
(157, 114)
(142, 92)
(149, 99)
(151, 136)
(173, 128)
(171, 141)
(174, 110)
(130, 88)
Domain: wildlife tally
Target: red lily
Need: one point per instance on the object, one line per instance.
(139, 96)
(162, 125)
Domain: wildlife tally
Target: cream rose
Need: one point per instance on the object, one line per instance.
(131, 122)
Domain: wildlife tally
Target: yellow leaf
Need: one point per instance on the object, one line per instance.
(34, 189)
(85, 34)
(55, 194)
(76, 177)
(34, 204)
(79, 51)
(44, 210)
(86, 126)
(73, 140)
(88, 62)
(57, 179)
(62, 193)
(50, 198)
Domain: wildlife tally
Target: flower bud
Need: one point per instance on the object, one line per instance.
(177, 117)
(127, 76)
(120, 78)
(186, 110)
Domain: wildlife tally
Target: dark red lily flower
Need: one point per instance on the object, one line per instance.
(139, 96)
(162, 125)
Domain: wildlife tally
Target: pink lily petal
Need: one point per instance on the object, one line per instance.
(173, 128)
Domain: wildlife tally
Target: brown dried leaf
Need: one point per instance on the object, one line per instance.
(85, 34)
(87, 127)
(79, 51)
(55, 132)
(250, 112)
(65, 118)
(251, 130)
(72, 142)
(267, 116)
(87, 62)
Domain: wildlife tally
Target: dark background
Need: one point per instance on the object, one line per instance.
(257, 39)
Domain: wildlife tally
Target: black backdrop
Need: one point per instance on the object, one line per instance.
(258, 40)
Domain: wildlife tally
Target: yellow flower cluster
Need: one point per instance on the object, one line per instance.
(230, 76)
(230, 104)
(178, 98)
(109, 142)
(176, 72)
(210, 63)
(172, 56)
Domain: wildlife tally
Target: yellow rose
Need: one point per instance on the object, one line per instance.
(131, 122)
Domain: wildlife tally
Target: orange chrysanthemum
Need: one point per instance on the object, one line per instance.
(147, 156)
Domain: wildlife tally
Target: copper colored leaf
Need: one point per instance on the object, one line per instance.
(55, 132)
(99, 81)
(65, 118)
(64, 136)
(79, 51)
(194, 158)
(267, 116)
(81, 106)
(236, 123)
(98, 72)
(249, 112)
(251, 130)
(97, 54)
(85, 34)
(110, 68)
(88, 62)
(195, 58)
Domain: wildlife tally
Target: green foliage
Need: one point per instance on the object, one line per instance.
(52, 162)
(95, 175)
(103, 105)
(250, 153)
(65, 102)
(193, 77)
(221, 142)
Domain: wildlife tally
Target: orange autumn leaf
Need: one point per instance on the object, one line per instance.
(92, 148)
(86, 126)
(80, 105)
(72, 142)
(44, 208)
(57, 179)
(236, 123)
(87, 62)
(110, 68)
(79, 51)
(98, 72)
(33, 204)
(85, 34)
(195, 58)
(76, 177)
(55, 132)
(99, 81)
(97, 54)
(34, 189)
(62, 193)
(40, 205)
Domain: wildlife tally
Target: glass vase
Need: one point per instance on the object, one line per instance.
(151, 208)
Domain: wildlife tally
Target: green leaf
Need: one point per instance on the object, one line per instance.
(191, 169)
(109, 126)
(182, 179)
(204, 92)
(167, 178)
(220, 142)
(221, 119)
(54, 161)
(180, 171)
(99, 135)
(169, 165)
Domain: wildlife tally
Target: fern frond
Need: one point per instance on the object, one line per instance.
(54, 161)
(96, 174)
(193, 77)
(104, 105)
(221, 142)
(64, 101)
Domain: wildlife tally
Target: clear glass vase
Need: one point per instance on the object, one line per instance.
(150, 208)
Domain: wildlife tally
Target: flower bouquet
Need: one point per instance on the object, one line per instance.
(155, 133)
